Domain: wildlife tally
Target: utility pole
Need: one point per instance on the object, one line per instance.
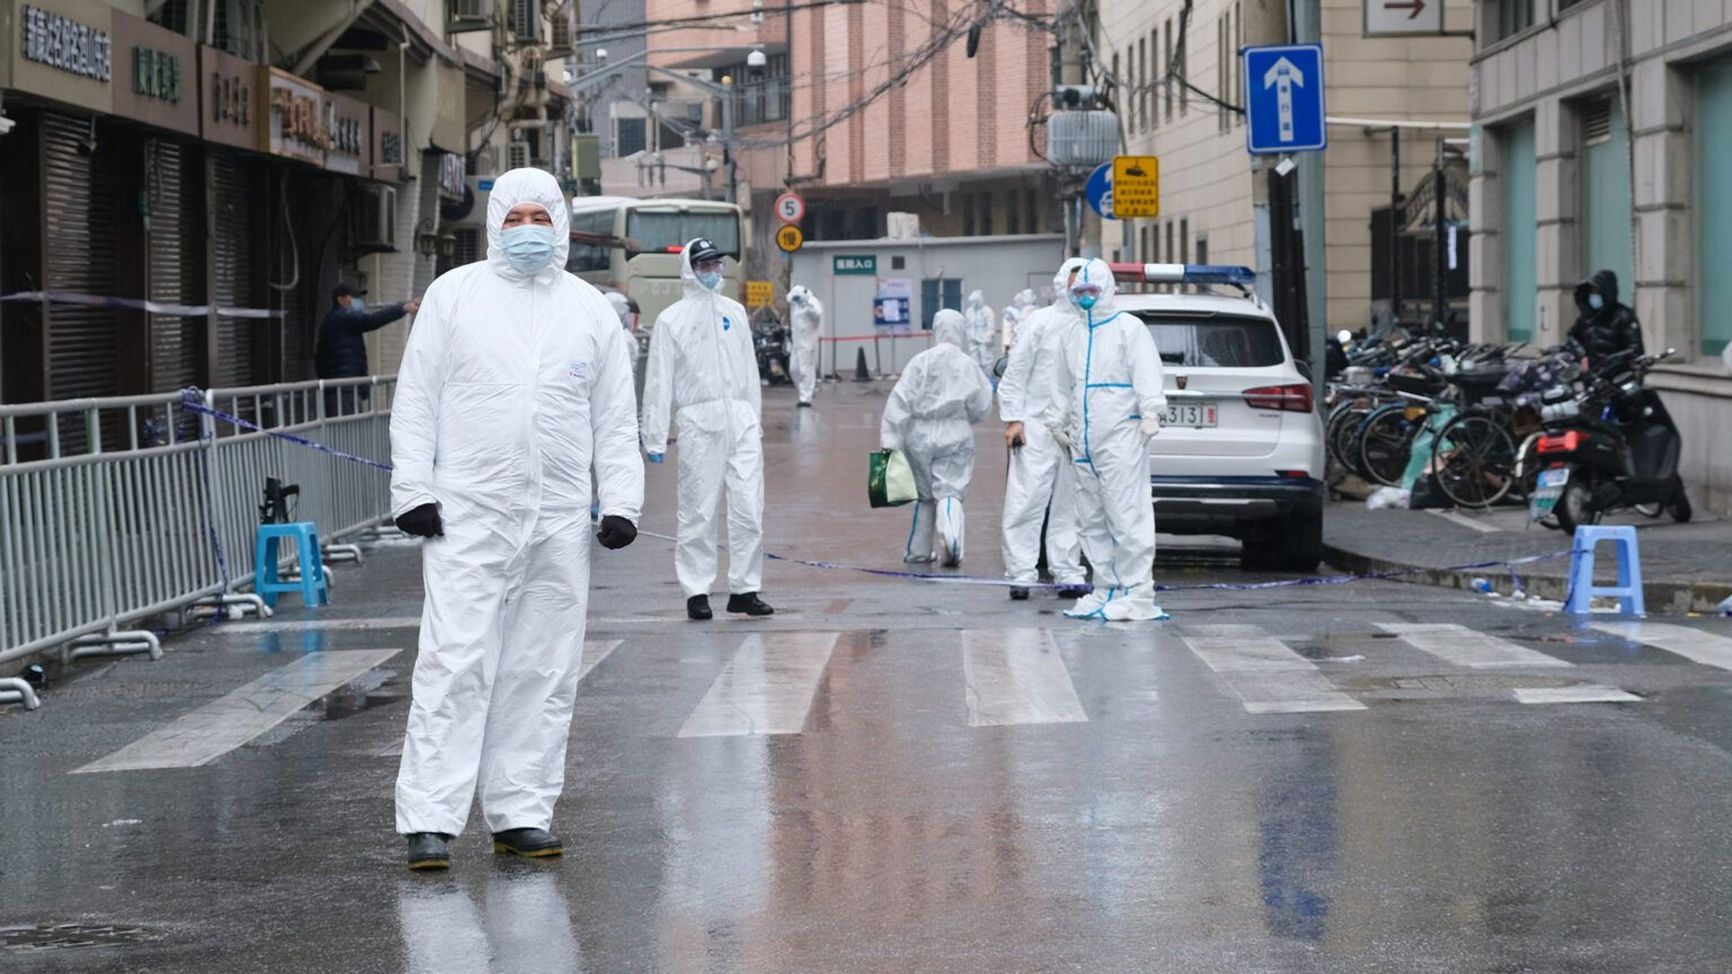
(1069, 68)
(1308, 29)
(728, 134)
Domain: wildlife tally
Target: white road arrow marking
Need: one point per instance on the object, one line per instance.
(1282, 76)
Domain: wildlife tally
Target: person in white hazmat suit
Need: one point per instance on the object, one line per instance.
(930, 417)
(808, 321)
(1016, 314)
(1041, 483)
(515, 385)
(702, 363)
(983, 340)
(623, 307)
(1108, 403)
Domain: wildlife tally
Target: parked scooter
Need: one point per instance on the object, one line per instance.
(1609, 444)
(770, 339)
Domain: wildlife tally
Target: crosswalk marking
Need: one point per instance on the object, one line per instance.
(1467, 647)
(198, 737)
(1692, 644)
(767, 688)
(594, 651)
(1268, 676)
(1016, 676)
(1582, 693)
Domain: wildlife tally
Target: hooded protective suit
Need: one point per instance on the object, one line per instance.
(1016, 314)
(941, 395)
(1041, 472)
(808, 320)
(702, 365)
(513, 387)
(622, 307)
(983, 340)
(1108, 403)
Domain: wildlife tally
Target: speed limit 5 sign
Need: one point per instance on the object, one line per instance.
(790, 208)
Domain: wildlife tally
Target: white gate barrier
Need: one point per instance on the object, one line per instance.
(116, 510)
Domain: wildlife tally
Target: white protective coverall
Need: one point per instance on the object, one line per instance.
(1017, 313)
(702, 364)
(1108, 403)
(807, 315)
(983, 340)
(1041, 472)
(929, 417)
(512, 388)
(622, 307)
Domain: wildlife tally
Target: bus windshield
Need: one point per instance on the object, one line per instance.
(657, 232)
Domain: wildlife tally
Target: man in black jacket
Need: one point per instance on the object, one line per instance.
(342, 347)
(1604, 326)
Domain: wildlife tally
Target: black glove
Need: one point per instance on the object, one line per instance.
(616, 532)
(422, 522)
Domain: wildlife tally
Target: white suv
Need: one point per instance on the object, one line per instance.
(1241, 451)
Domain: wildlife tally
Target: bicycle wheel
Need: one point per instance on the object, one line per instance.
(1474, 458)
(1341, 435)
(1385, 443)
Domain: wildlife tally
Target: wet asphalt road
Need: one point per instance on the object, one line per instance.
(973, 785)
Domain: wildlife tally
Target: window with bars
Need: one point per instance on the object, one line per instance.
(1151, 109)
(1142, 82)
(1505, 18)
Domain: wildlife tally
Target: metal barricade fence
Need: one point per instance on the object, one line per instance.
(153, 503)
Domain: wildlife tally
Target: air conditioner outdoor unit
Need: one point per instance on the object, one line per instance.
(517, 155)
(376, 219)
(560, 43)
(468, 15)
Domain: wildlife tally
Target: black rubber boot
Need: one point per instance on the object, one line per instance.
(1075, 591)
(429, 851)
(698, 609)
(1018, 594)
(750, 604)
(528, 843)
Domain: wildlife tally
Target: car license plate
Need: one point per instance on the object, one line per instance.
(1547, 490)
(1194, 415)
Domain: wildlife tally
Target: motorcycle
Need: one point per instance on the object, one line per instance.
(774, 349)
(1608, 443)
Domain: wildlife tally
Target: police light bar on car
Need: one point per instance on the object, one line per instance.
(1240, 277)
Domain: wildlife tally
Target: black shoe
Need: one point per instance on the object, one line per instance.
(528, 843)
(805, 405)
(1075, 591)
(698, 609)
(429, 851)
(750, 604)
(1018, 594)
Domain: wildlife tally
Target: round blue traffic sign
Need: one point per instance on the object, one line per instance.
(1100, 190)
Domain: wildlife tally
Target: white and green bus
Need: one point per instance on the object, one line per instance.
(633, 246)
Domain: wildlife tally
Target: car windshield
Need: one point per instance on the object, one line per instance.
(1215, 341)
(656, 232)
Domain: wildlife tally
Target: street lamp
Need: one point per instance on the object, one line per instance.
(756, 59)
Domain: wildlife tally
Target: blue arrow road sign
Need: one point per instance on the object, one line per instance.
(1284, 107)
(1099, 190)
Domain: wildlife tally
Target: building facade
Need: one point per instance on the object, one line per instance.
(1178, 87)
(1600, 127)
(182, 184)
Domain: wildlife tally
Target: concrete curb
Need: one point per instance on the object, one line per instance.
(1661, 596)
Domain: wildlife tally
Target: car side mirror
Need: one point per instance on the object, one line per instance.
(999, 366)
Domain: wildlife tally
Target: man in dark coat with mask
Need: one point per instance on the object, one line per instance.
(342, 346)
(1604, 326)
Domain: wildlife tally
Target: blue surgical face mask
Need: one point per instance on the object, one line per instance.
(712, 280)
(356, 304)
(1596, 301)
(1086, 301)
(527, 248)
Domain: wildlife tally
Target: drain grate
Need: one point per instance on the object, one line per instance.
(62, 936)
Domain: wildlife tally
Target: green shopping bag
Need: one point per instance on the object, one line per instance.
(889, 479)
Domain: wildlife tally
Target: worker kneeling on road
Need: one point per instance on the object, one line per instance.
(929, 417)
(516, 382)
(1107, 404)
(702, 363)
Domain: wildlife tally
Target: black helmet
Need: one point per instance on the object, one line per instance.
(701, 250)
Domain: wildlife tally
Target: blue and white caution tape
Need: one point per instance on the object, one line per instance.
(138, 304)
(194, 401)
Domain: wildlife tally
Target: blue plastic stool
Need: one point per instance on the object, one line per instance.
(1628, 591)
(305, 536)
